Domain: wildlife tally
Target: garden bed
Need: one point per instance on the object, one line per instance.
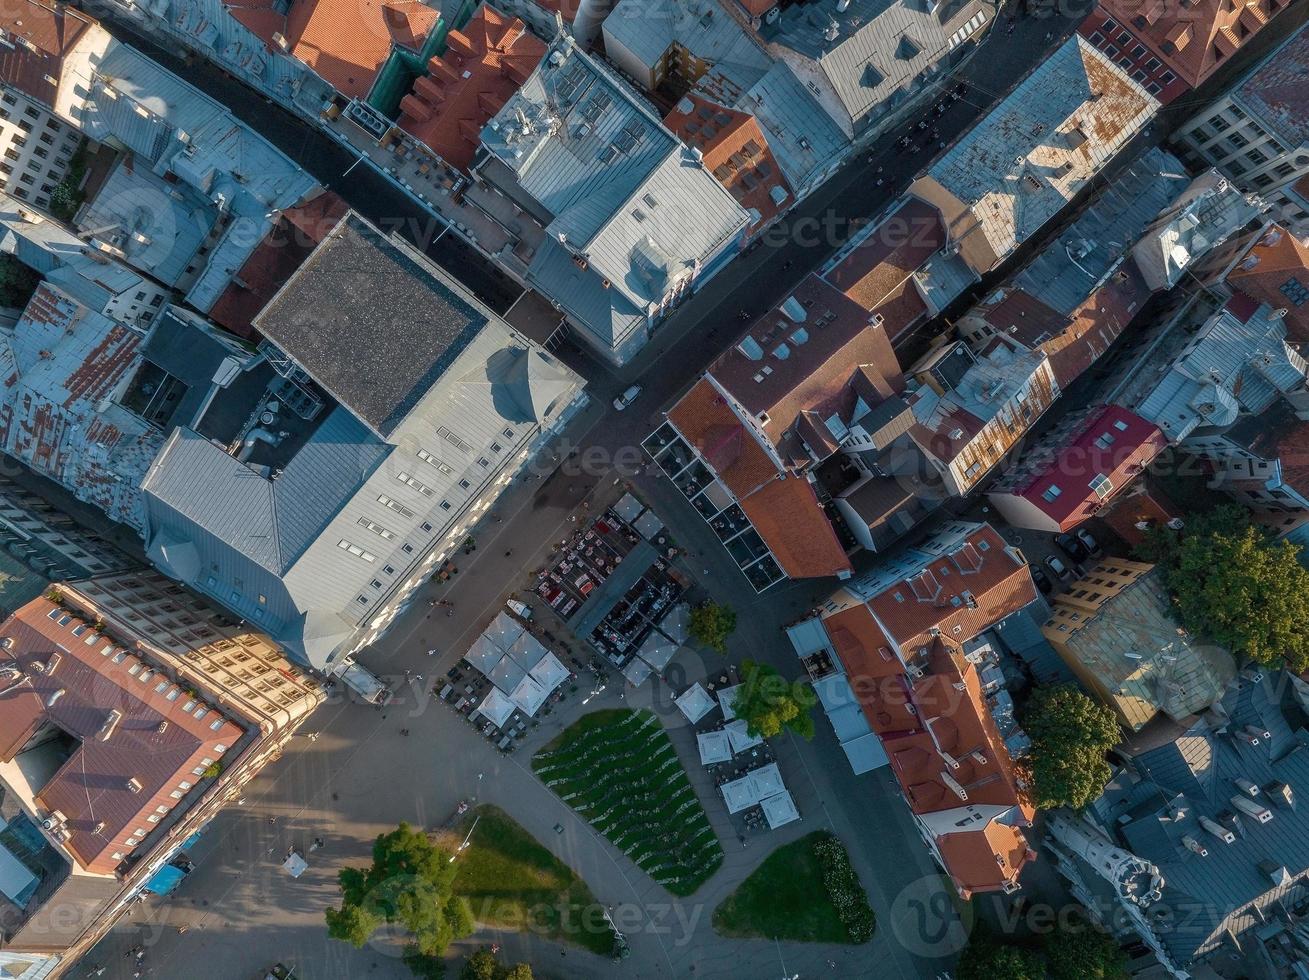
(619, 770)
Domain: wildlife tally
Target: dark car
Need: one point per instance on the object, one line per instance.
(1059, 568)
(1073, 548)
(1042, 580)
(1091, 545)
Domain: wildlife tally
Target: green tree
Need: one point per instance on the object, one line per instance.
(1240, 588)
(422, 966)
(1083, 952)
(409, 882)
(1070, 735)
(769, 702)
(483, 965)
(712, 624)
(988, 958)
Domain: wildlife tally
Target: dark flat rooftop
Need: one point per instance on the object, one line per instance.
(371, 321)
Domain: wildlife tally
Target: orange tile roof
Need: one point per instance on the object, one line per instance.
(347, 41)
(1145, 506)
(50, 31)
(1097, 323)
(735, 151)
(984, 860)
(1193, 39)
(705, 420)
(1272, 262)
(793, 524)
(92, 787)
(815, 370)
(483, 65)
(998, 583)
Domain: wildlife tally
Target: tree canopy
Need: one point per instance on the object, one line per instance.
(1070, 735)
(711, 624)
(1235, 585)
(988, 958)
(768, 702)
(409, 882)
(483, 965)
(1084, 953)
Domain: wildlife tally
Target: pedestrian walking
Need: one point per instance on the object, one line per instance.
(405, 732)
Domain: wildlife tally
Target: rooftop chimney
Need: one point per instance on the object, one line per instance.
(50, 701)
(111, 722)
(1194, 846)
(1219, 831)
(1252, 809)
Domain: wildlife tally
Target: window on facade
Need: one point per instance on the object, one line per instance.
(418, 485)
(376, 528)
(1294, 290)
(355, 550)
(394, 505)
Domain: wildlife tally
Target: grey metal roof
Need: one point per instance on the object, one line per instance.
(1202, 217)
(1020, 633)
(1108, 227)
(646, 29)
(637, 209)
(1051, 135)
(370, 321)
(1196, 774)
(1229, 367)
(875, 53)
(804, 139)
(608, 316)
(269, 544)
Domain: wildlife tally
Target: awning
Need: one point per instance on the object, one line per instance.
(714, 747)
(779, 809)
(16, 881)
(165, 879)
(695, 703)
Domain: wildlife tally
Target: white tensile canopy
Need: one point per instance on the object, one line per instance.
(695, 703)
(738, 733)
(637, 671)
(529, 695)
(753, 788)
(657, 650)
(714, 747)
(779, 810)
(496, 707)
(677, 624)
(725, 697)
(549, 672)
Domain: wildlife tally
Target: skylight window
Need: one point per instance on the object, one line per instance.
(1052, 493)
(1101, 485)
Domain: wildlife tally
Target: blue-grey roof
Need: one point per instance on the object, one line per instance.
(873, 54)
(1194, 777)
(636, 209)
(1103, 233)
(1032, 153)
(804, 139)
(1020, 633)
(311, 551)
(647, 28)
(1231, 366)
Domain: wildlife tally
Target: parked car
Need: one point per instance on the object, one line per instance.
(1041, 579)
(627, 397)
(1088, 542)
(1060, 570)
(1072, 547)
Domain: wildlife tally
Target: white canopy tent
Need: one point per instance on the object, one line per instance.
(484, 654)
(496, 707)
(549, 672)
(637, 671)
(529, 695)
(695, 703)
(779, 809)
(657, 650)
(628, 508)
(677, 624)
(738, 733)
(713, 747)
(725, 697)
(504, 631)
(753, 787)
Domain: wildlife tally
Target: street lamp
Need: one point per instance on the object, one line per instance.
(785, 975)
(595, 692)
(464, 846)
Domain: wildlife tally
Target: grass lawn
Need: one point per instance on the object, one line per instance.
(510, 880)
(785, 898)
(618, 769)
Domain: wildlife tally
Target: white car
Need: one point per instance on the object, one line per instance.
(627, 397)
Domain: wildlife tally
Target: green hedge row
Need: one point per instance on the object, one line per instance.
(844, 889)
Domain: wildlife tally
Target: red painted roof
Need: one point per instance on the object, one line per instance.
(121, 769)
(1113, 443)
(793, 524)
(483, 65)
